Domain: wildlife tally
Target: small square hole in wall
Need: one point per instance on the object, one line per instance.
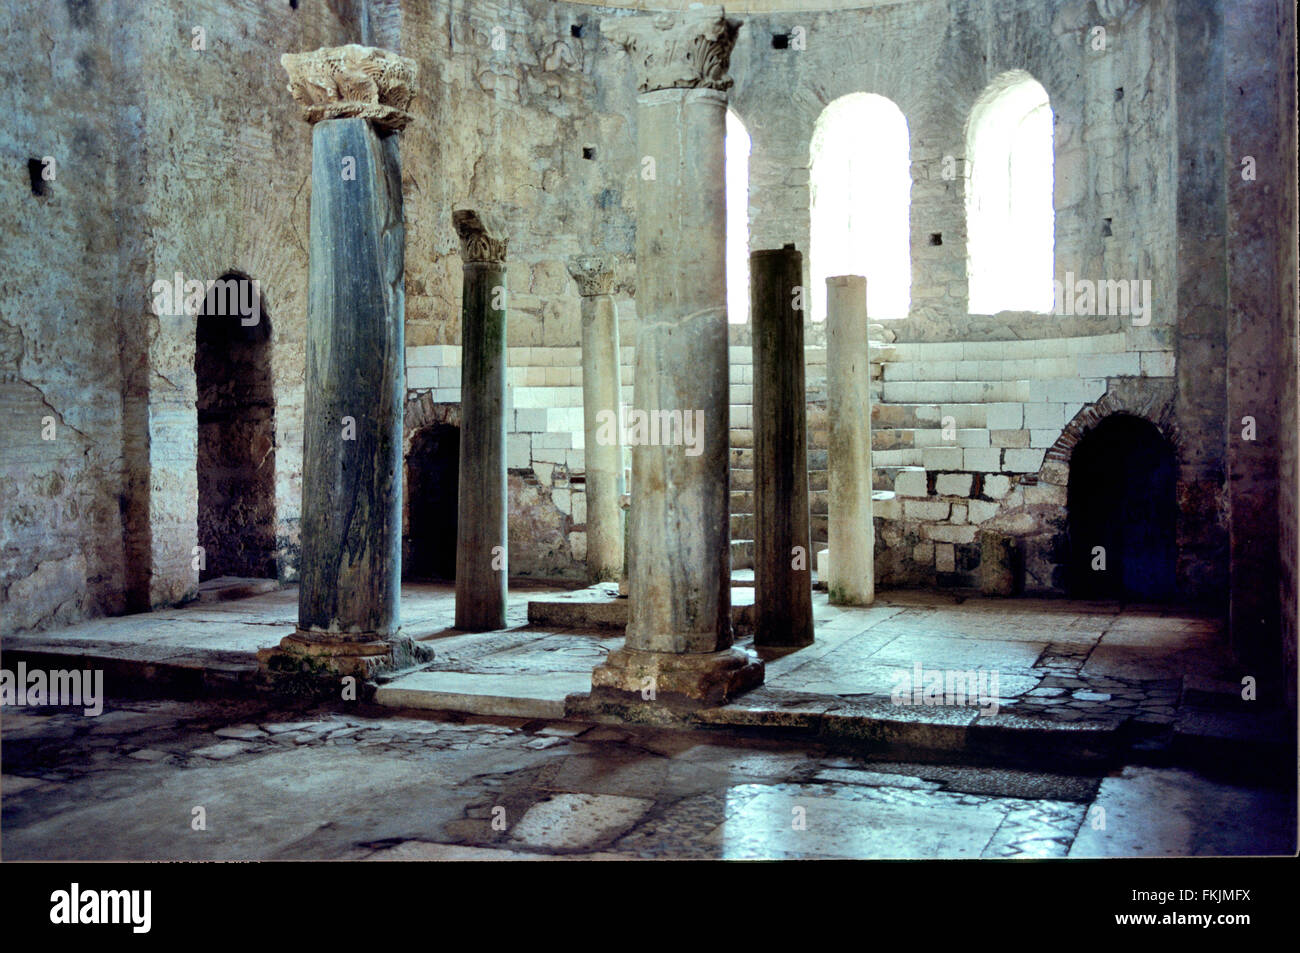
(1105, 228)
(780, 41)
(293, 4)
(936, 238)
(589, 152)
(34, 169)
(1119, 94)
(575, 30)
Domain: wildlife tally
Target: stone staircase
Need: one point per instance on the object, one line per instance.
(742, 443)
(986, 407)
(955, 427)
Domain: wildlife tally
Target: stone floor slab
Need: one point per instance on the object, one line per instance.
(1196, 817)
(531, 696)
(578, 820)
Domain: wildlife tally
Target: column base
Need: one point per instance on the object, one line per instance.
(692, 680)
(782, 636)
(595, 576)
(306, 653)
(480, 623)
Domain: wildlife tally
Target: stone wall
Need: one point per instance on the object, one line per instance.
(511, 109)
(933, 60)
(60, 379)
(1288, 362)
(1260, 240)
(223, 186)
(60, 376)
(169, 158)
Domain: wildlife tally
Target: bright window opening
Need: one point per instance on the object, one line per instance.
(861, 192)
(736, 149)
(1009, 213)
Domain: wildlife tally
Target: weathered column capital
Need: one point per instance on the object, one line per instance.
(346, 82)
(680, 50)
(482, 237)
(593, 274)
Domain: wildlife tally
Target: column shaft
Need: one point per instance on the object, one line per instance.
(851, 535)
(604, 446)
(680, 560)
(678, 645)
(782, 561)
(481, 547)
(351, 524)
(352, 451)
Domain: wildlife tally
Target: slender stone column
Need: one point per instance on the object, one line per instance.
(850, 532)
(481, 554)
(348, 611)
(679, 641)
(782, 560)
(601, 397)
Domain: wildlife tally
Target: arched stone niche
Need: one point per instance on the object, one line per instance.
(430, 479)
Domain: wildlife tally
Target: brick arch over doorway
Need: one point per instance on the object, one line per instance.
(1154, 543)
(1123, 513)
(1153, 401)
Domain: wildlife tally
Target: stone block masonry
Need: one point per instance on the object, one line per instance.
(546, 442)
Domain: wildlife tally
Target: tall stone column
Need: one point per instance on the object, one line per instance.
(348, 596)
(601, 397)
(782, 558)
(679, 641)
(850, 531)
(481, 549)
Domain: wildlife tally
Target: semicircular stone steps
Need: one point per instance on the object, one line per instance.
(990, 409)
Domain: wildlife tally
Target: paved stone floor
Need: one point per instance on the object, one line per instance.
(239, 627)
(1057, 659)
(368, 784)
(1104, 672)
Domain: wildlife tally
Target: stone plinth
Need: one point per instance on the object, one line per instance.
(782, 550)
(998, 564)
(679, 566)
(601, 417)
(850, 533)
(481, 549)
(686, 679)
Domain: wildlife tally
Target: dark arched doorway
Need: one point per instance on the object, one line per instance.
(432, 484)
(236, 432)
(1122, 499)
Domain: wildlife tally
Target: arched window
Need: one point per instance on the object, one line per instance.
(1009, 214)
(736, 150)
(861, 192)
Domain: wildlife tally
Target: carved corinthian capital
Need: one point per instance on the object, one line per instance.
(688, 48)
(482, 237)
(594, 274)
(344, 82)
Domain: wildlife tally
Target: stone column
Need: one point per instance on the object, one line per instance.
(782, 557)
(348, 611)
(851, 534)
(481, 554)
(679, 641)
(601, 397)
